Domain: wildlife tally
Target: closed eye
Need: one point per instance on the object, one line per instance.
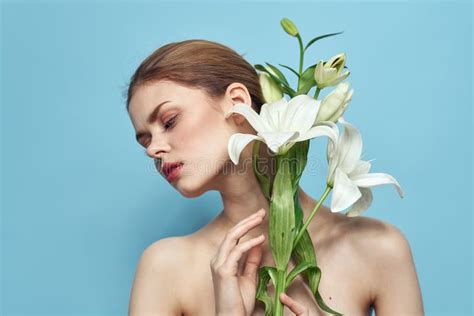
(170, 123)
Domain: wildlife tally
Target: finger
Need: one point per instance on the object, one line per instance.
(233, 237)
(230, 241)
(260, 213)
(231, 265)
(293, 305)
(247, 220)
(254, 257)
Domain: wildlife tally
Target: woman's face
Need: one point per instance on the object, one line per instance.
(177, 124)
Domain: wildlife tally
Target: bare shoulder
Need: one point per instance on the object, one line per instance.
(376, 239)
(378, 242)
(157, 269)
(371, 231)
(386, 255)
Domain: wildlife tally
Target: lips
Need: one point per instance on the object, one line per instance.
(168, 168)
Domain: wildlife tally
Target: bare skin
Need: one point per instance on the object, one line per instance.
(344, 298)
(365, 262)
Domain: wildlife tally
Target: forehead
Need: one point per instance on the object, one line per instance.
(149, 94)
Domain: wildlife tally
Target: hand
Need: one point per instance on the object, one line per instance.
(293, 305)
(235, 294)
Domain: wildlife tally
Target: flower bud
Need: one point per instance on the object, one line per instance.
(289, 27)
(329, 73)
(335, 103)
(270, 89)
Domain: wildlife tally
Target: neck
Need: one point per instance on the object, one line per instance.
(242, 196)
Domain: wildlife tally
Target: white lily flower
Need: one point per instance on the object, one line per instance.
(330, 74)
(335, 103)
(349, 176)
(279, 125)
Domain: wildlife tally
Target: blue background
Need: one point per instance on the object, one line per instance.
(80, 200)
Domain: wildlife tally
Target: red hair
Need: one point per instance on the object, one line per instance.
(198, 63)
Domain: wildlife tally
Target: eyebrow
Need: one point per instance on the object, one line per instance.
(150, 119)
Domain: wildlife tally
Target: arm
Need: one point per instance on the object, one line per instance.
(396, 287)
(153, 290)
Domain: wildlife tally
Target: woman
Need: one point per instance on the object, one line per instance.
(177, 100)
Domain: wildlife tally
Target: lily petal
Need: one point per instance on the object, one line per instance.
(362, 204)
(318, 72)
(362, 167)
(333, 59)
(317, 131)
(237, 143)
(275, 113)
(332, 143)
(351, 148)
(266, 116)
(250, 115)
(341, 120)
(345, 192)
(339, 79)
(332, 151)
(275, 140)
(301, 113)
(330, 72)
(330, 124)
(373, 179)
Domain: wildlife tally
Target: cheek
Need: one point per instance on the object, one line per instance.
(203, 145)
(204, 136)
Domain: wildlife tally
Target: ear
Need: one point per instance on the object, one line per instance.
(235, 93)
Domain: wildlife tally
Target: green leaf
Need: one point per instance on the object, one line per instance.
(284, 87)
(301, 154)
(276, 78)
(304, 252)
(291, 69)
(289, 92)
(264, 275)
(280, 75)
(299, 268)
(262, 179)
(297, 155)
(272, 271)
(299, 215)
(314, 40)
(282, 215)
(323, 305)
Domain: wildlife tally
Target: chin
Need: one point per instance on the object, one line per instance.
(190, 193)
(195, 184)
(190, 190)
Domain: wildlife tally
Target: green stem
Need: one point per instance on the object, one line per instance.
(279, 288)
(321, 199)
(300, 41)
(316, 94)
(280, 274)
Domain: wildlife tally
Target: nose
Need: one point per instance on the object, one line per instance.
(156, 149)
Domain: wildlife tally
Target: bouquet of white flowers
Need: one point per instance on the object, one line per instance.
(286, 127)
